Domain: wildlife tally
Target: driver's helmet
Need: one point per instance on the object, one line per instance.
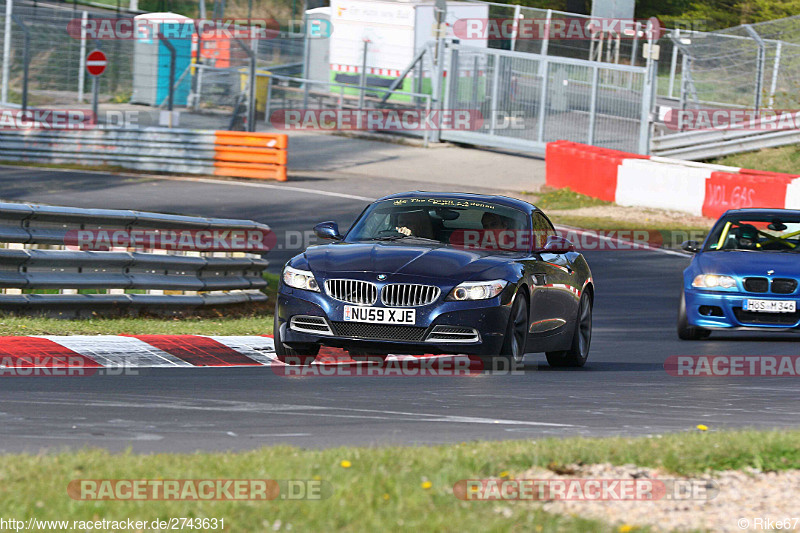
(746, 236)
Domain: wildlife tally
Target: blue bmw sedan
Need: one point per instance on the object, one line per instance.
(744, 276)
(438, 273)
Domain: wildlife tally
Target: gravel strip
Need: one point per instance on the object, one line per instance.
(748, 495)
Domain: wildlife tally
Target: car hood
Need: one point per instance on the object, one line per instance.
(784, 264)
(395, 258)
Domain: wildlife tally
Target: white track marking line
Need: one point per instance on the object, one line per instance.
(268, 186)
(117, 351)
(297, 410)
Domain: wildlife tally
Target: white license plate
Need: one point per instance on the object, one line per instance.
(770, 306)
(380, 315)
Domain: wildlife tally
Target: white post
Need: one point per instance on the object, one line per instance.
(82, 67)
(775, 68)
(6, 51)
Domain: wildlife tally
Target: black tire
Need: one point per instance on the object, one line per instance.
(512, 351)
(290, 356)
(581, 339)
(685, 331)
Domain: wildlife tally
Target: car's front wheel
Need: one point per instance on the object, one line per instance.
(513, 349)
(291, 356)
(581, 339)
(685, 331)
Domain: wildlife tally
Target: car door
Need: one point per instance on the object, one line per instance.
(545, 317)
(562, 290)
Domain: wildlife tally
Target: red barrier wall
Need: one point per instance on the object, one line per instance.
(585, 169)
(749, 188)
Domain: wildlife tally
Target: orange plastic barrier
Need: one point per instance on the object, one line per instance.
(250, 155)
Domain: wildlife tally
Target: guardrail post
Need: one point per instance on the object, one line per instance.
(172, 54)
(363, 78)
(251, 95)
(673, 65)
(593, 104)
(544, 69)
(82, 62)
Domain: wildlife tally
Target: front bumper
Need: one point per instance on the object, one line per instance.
(725, 310)
(488, 317)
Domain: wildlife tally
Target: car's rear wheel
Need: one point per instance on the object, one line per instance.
(291, 356)
(685, 331)
(578, 352)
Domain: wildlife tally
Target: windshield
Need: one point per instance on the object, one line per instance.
(775, 233)
(436, 220)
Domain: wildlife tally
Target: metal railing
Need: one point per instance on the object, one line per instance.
(40, 272)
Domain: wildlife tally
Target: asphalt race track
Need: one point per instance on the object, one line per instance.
(623, 389)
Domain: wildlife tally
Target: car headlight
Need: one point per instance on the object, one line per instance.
(300, 279)
(477, 290)
(713, 281)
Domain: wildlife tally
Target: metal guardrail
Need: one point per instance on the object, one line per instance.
(192, 280)
(208, 152)
(708, 144)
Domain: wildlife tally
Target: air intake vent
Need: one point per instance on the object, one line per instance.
(310, 324)
(352, 291)
(453, 334)
(409, 295)
(756, 284)
(378, 331)
(784, 286)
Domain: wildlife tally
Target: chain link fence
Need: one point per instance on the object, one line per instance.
(211, 76)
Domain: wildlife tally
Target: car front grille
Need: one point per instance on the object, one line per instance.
(409, 294)
(352, 291)
(766, 319)
(784, 286)
(756, 284)
(360, 330)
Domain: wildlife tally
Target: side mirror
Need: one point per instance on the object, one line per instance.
(328, 230)
(690, 246)
(558, 245)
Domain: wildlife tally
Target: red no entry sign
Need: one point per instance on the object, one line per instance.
(96, 63)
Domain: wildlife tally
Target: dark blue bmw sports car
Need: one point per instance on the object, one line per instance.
(438, 273)
(745, 276)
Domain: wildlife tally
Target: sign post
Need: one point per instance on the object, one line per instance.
(96, 63)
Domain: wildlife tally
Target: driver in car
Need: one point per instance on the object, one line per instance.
(746, 237)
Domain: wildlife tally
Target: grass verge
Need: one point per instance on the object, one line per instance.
(249, 325)
(383, 488)
(781, 159)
